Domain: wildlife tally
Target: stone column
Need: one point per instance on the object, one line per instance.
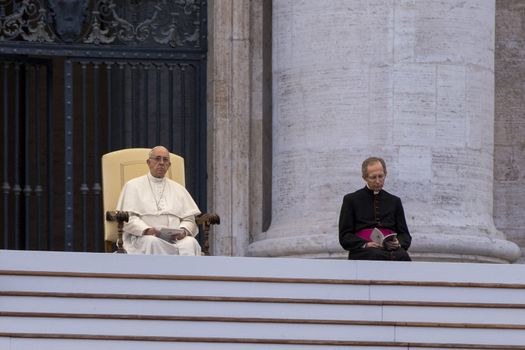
(410, 81)
(239, 121)
(228, 124)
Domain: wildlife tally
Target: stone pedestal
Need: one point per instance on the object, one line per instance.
(409, 81)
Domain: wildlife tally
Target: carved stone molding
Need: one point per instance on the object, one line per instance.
(68, 17)
(154, 23)
(24, 20)
(173, 23)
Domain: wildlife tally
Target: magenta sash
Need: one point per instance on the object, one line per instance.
(365, 234)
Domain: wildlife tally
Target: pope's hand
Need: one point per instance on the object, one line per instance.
(152, 231)
(180, 235)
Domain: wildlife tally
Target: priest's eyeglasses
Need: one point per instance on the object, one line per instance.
(158, 159)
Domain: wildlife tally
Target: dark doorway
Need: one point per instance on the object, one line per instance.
(68, 98)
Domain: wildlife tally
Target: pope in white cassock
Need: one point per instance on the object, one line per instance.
(155, 202)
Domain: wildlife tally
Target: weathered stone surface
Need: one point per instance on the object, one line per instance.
(411, 81)
(228, 86)
(509, 138)
(237, 124)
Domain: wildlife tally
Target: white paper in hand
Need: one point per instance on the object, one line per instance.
(169, 234)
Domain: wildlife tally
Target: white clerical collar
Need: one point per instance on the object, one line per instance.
(375, 192)
(154, 179)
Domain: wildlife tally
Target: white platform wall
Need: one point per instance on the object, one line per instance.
(56, 300)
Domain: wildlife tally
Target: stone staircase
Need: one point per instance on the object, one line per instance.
(59, 301)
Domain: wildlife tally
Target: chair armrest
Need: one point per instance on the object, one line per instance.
(206, 220)
(120, 217)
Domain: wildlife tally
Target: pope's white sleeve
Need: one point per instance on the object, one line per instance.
(189, 224)
(135, 225)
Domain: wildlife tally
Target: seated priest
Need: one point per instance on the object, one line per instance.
(372, 223)
(161, 211)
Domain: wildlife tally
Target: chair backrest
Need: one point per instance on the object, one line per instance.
(119, 167)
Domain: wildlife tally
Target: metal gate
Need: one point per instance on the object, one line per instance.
(82, 78)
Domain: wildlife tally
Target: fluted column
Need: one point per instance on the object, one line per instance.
(410, 81)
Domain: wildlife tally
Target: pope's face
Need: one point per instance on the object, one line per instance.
(159, 162)
(376, 176)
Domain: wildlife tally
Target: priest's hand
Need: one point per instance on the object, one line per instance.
(392, 244)
(373, 245)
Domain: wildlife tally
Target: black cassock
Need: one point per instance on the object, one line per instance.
(363, 209)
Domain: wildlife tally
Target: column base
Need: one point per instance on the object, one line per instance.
(425, 247)
(464, 248)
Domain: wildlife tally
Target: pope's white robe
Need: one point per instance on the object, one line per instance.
(158, 203)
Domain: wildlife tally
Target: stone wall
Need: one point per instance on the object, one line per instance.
(239, 121)
(509, 135)
(411, 81)
(427, 47)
